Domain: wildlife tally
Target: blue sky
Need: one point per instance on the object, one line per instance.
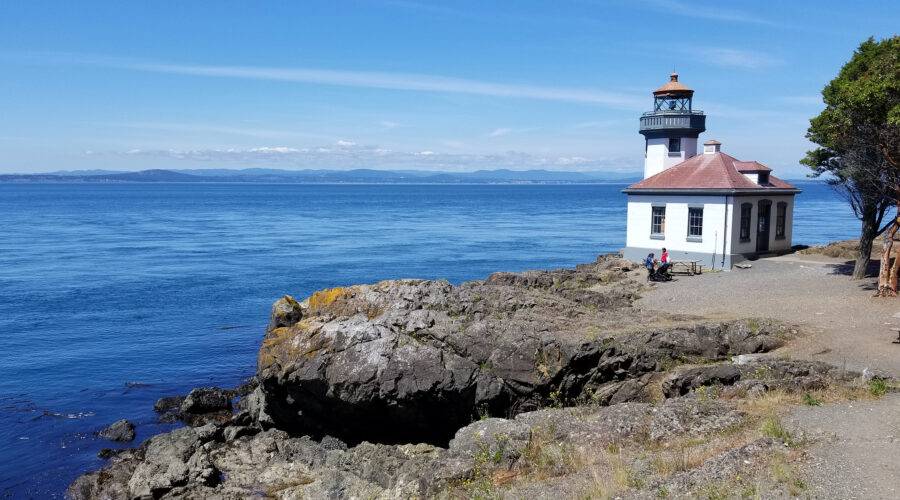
(452, 85)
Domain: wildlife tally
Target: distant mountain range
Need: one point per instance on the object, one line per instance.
(358, 176)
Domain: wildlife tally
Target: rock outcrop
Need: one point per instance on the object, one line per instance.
(394, 390)
(414, 360)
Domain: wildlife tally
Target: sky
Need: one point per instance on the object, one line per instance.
(410, 84)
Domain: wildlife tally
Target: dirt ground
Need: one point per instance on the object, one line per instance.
(856, 446)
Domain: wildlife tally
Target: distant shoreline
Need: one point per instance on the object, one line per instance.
(357, 176)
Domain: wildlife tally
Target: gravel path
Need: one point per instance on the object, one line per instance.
(856, 450)
(856, 453)
(842, 322)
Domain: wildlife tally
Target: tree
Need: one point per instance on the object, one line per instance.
(859, 137)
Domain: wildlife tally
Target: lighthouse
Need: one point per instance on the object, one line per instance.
(709, 210)
(670, 131)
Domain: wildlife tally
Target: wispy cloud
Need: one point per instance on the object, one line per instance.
(599, 124)
(202, 128)
(388, 124)
(500, 131)
(736, 58)
(367, 79)
(714, 13)
(347, 155)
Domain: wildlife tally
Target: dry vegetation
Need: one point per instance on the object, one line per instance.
(645, 468)
(845, 249)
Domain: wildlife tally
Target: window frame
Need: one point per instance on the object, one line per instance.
(676, 141)
(695, 223)
(658, 228)
(746, 217)
(781, 220)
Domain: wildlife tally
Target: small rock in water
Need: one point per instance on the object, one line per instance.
(205, 400)
(169, 403)
(121, 430)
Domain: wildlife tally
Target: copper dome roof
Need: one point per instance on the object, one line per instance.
(674, 87)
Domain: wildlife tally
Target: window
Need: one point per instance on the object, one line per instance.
(675, 145)
(695, 223)
(780, 219)
(746, 209)
(658, 221)
(763, 178)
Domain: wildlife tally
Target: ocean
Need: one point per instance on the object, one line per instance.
(114, 295)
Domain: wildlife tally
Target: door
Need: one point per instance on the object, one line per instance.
(762, 227)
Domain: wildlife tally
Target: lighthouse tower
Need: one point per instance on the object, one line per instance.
(672, 128)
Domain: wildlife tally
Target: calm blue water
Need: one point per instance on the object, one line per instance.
(104, 286)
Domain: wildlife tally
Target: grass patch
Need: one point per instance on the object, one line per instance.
(809, 399)
(773, 428)
(877, 387)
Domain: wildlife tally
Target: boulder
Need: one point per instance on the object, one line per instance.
(681, 383)
(205, 400)
(415, 360)
(121, 430)
(285, 312)
(168, 403)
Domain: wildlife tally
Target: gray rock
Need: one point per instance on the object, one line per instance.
(205, 400)
(168, 403)
(415, 360)
(285, 312)
(121, 430)
(681, 383)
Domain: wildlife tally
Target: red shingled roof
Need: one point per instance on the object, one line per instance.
(710, 171)
(751, 166)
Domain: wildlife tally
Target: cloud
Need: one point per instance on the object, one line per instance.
(500, 131)
(389, 124)
(673, 7)
(202, 128)
(600, 124)
(346, 155)
(368, 79)
(735, 58)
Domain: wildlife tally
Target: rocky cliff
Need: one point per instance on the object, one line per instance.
(412, 388)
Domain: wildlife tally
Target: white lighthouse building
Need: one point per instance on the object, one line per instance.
(710, 207)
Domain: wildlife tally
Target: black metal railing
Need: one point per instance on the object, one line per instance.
(682, 120)
(672, 112)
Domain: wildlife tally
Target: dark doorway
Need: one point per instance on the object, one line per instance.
(762, 227)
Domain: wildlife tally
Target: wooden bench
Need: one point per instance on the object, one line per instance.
(689, 267)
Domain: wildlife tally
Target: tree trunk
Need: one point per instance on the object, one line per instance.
(866, 237)
(892, 278)
(887, 284)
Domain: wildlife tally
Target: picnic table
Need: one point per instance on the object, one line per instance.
(685, 266)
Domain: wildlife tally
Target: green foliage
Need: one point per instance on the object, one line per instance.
(859, 134)
(774, 429)
(877, 387)
(861, 103)
(811, 400)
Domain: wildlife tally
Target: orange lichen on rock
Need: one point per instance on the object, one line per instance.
(325, 298)
(280, 335)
